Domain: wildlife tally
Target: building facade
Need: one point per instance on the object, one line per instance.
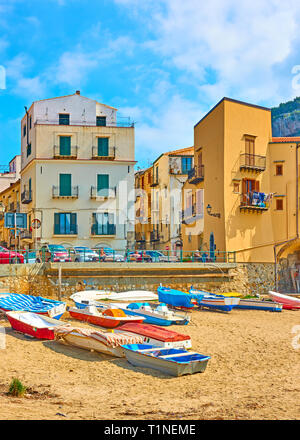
(11, 173)
(10, 201)
(159, 200)
(249, 181)
(77, 177)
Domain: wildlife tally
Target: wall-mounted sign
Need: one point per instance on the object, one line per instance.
(36, 223)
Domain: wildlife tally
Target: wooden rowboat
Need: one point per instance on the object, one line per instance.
(171, 361)
(108, 318)
(32, 324)
(99, 341)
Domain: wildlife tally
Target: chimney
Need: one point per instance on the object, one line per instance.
(77, 92)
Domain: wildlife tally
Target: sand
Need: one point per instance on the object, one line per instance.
(254, 373)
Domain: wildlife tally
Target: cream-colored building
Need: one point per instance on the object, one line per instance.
(77, 177)
(159, 203)
(11, 173)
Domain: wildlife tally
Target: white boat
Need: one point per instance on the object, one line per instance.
(90, 297)
(102, 342)
(288, 302)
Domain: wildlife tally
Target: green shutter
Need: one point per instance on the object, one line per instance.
(65, 185)
(102, 146)
(73, 227)
(56, 224)
(101, 121)
(102, 185)
(65, 145)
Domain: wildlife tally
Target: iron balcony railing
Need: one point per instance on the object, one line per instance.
(154, 236)
(107, 229)
(126, 122)
(196, 174)
(26, 196)
(59, 153)
(25, 234)
(104, 192)
(254, 201)
(72, 229)
(62, 192)
(111, 153)
(154, 182)
(252, 162)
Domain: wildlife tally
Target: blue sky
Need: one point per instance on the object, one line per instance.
(165, 63)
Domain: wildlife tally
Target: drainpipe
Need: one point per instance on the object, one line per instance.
(297, 223)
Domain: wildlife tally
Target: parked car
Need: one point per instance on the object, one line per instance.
(108, 254)
(7, 256)
(156, 256)
(83, 254)
(53, 252)
(139, 256)
(29, 257)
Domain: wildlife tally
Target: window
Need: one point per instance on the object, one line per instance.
(236, 187)
(28, 150)
(103, 224)
(279, 170)
(30, 123)
(101, 121)
(65, 145)
(102, 185)
(65, 223)
(103, 146)
(279, 204)
(65, 188)
(24, 130)
(186, 164)
(64, 119)
(248, 187)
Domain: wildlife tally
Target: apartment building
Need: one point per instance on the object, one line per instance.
(11, 173)
(159, 200)
(10, 201)
(249, 181)
(77, 176)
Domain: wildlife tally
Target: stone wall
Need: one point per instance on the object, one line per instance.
(246, 278)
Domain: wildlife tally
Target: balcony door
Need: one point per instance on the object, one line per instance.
(250, 151)
(248, 186)
(65, 184)
(65, 145)
(102, 185)
(103, 224)
(103, 147)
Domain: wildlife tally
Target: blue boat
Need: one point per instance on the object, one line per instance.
(35, 304)
(213, 301)
(156, 314)
(171, 361)
(176, 298)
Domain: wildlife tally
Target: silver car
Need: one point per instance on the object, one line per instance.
(83, 254)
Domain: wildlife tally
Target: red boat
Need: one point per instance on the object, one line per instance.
(288, 302)
(32, 324)
(155, 335)
(108, 318)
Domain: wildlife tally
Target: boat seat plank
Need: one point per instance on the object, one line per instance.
(178, 355)
(150, 349)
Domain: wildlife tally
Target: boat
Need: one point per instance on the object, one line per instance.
(288, 302)
(109, 318)
(32, 324)
(35, 304)
(214, 301)
(171, 361)
(99, 341)
(157, 336)
(157, 314)
(91, 297)
(256, 304)
(176, 298)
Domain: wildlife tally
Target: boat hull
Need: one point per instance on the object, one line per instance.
(28, 303)
(252, 304)
(287, 302)
(102, 321)
(87, 343)
(46, 332)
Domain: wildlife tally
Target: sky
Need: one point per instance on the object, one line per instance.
(164, 63)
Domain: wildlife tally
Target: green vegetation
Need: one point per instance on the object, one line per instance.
(286, 108)
(16, 388)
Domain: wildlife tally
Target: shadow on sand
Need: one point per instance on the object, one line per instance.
(123, 363)
(76, 352)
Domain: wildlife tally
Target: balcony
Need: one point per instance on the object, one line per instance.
(154, 182)
(111, 154)
(122, 122)
(26, 197)
(99, 229)
(59, 154)
(104, 193)
(26, 235)
(154, 236)
(196, 174)
(253, 202)
(252, 162)
(65, 193)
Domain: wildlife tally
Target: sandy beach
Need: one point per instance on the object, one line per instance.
(254, 373)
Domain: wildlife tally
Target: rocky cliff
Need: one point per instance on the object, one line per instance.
(286, 119)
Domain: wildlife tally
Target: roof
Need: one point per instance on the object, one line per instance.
(235, 101)
(182, 152)
(285, 139)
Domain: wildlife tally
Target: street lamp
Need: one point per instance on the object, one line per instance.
(216, 214)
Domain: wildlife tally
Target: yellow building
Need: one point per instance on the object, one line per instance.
(158, 203)
(10, 200)
(250, 183)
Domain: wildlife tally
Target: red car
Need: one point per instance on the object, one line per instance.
(53, 252)
(7, 256)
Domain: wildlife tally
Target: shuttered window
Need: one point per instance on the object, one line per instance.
(64, 119)
(103, 146)
(103, 224)
(65, 188)
(65, 223)
(186, 164)
(101, 121)
(200, 202)
(102, 185)
(65, 145)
